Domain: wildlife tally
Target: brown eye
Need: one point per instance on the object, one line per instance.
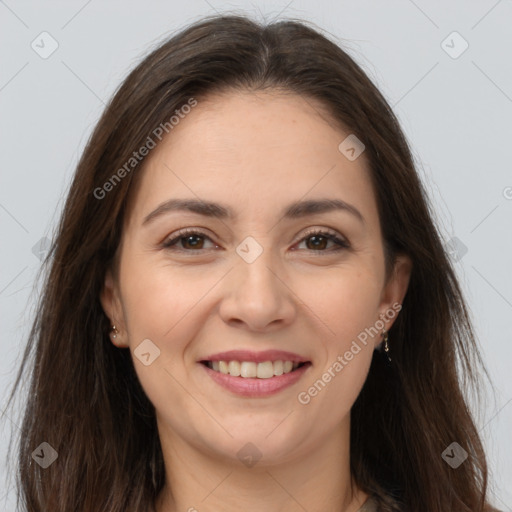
(187, 241)
(318, 241)
(192, 241)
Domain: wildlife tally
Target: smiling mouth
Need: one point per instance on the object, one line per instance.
(251, 369)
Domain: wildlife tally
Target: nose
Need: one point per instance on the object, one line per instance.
(257, 297)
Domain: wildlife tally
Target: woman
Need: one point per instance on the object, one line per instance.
(247, 221)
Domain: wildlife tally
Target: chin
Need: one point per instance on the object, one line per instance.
(258, 445)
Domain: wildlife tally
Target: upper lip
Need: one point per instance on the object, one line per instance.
(257, 357)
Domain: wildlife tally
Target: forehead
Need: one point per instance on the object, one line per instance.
(254, 151)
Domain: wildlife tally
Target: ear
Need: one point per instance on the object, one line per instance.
(394, 290)
(111, 303)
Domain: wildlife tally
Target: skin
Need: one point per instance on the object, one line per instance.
(256, 153)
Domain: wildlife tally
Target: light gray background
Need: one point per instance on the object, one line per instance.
(455, 111)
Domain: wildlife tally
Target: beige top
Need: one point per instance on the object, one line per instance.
(370, 505)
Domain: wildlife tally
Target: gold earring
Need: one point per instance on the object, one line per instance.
(114, 332)
(386, 344)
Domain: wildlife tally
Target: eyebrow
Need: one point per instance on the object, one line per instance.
(295, 210)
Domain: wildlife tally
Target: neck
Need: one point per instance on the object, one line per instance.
(318, 480)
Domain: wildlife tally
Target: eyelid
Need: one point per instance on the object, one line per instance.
(325, 231)
(182, 233)
(339, 240)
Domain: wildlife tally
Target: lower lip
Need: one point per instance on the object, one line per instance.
(255, 388)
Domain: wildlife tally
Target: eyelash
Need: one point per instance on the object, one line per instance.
(330, 235)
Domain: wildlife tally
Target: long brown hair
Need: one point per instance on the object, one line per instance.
(84, 398)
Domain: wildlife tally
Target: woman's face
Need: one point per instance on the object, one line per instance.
(255, 276)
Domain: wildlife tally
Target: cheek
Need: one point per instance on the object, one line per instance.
(159, 304)
(345, 303)
(163, 305)
(156, 300)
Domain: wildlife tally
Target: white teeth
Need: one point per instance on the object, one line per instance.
(250, 369)
(265, 370)
(278, 367)
(234, 368)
